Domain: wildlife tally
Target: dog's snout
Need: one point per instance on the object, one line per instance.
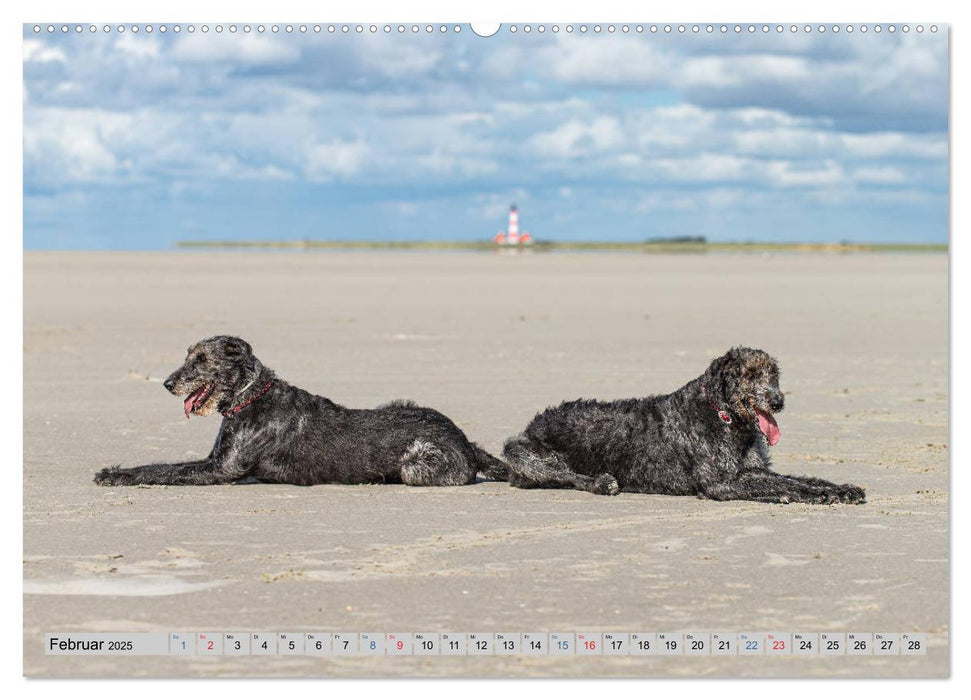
(169, 384)
(777, 401)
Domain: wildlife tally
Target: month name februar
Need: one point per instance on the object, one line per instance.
(76, 645)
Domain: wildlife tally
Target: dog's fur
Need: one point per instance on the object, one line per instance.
(275, 432)
(710, 438)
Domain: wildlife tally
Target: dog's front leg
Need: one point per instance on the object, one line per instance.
(200, 472)
(767, 486)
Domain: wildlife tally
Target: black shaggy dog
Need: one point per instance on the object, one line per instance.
(275, 432)
(710, 438)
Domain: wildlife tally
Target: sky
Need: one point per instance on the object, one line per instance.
(137, 141)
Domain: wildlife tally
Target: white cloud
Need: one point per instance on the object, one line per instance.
(338, 159)
(672, 127)
(705, 167)
(446, 163)
(895, 145)
(71, 145)
(494, 207)
(397, 57)
(36, 51)
(881, 175)
(138, 46)
(576, 138)
(600, 61)
(785, 174)
(729, 71)
(784, 141)
(247, 49)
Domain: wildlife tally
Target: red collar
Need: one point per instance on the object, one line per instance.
(239, 407)
(723, 415)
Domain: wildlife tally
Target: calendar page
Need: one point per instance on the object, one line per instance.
(590, 349)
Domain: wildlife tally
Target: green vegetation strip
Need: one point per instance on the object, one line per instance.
(645, 247)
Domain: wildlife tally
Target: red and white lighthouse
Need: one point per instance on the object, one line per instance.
(512, 236)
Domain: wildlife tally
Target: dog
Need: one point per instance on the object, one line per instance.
(710, 439)
(275, 432)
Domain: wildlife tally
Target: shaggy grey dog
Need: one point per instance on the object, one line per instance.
(710, 438)
(275, 432)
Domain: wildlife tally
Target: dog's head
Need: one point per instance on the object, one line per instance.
(215, 370)
(748, 381)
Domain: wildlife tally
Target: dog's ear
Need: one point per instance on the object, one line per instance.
(755, 363)
(237, 347)
(726, 372)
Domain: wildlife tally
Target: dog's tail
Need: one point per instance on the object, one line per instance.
(492, 467)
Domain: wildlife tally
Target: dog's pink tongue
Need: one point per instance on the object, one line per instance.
(769, 427)
(188, 403)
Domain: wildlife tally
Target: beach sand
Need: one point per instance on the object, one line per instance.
(488, 339)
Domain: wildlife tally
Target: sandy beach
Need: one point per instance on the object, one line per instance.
(488, 339)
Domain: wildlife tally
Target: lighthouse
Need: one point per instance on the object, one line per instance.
(512, 235)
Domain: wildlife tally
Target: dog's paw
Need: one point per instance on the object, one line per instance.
(606, 485)
(112, 476)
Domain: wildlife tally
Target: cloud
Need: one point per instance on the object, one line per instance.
(591, 61)
(857, 81)
(494, 206)
(575, 138)
(36, 51)
(705, 167)
(881, 175)
(72, 145)
(246, 49)
(326, 161)
(140, 47)
(736, 71)
(399, 58)
(785, 174)
(885, 144)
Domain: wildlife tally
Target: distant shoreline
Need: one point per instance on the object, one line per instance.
(542, 246)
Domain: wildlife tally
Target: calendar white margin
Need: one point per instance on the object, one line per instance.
(506, 10)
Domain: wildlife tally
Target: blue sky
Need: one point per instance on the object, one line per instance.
(138, 141)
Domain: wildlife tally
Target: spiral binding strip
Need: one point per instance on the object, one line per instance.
(727, 29)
